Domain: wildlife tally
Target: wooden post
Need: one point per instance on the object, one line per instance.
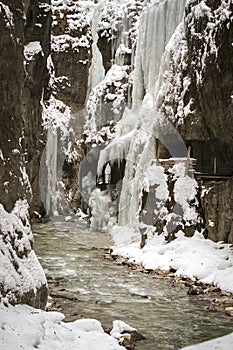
(187, 161)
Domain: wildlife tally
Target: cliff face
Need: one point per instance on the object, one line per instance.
(22, 279)
(36, 51)
(71, 53)
(13, 182)
(24, 45)
(209, 31)
(210, 62)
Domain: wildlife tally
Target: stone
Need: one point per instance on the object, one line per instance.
(229, 311)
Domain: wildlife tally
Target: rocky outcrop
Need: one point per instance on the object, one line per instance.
(65, 113)
(117, 31)
(209, 31)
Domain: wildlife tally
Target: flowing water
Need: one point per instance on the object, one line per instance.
(87, 285)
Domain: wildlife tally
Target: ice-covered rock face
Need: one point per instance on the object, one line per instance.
(22, 279)
(182, 70)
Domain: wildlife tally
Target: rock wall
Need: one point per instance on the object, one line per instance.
(71, 53)
(13, 178)
(71, 56)
(196, 95)
(35, 90)
(24, 45)
(217, 205)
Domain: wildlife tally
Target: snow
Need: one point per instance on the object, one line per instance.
(115, 75)
(221, 343)
(1, 155)
(185, 190)
(71, 16)
(31, 49)
(23, 327)
(8, 13)
(191, 257)
(121, 329)
(20, 270)
(66, 42)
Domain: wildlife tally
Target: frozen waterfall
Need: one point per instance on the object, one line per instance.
(97, 72)
(159, 20)
(57, 118)
(158, 23)
(51, 199)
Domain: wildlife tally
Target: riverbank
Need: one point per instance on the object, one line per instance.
(219, 300)
(84, 284)
(195, 258)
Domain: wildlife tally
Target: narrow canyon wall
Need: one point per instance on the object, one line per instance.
(197, 97)
(24, 46)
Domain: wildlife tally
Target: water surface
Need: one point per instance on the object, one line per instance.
(87, 285)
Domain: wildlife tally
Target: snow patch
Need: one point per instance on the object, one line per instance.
(22, 327)
(20, 270)
(31, 49)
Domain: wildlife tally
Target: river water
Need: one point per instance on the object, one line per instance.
(87, 285)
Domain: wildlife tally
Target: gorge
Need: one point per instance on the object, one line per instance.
(120, 111)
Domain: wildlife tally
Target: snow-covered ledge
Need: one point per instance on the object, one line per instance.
(22, 279)
(222, 343)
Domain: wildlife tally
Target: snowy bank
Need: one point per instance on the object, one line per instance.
(222, 343)
(22, 279)
(191, 257)
(23, 327)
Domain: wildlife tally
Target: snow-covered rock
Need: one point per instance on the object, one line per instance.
(23, 327)
(22, 279)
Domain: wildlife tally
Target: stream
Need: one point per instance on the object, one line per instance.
(84, 284)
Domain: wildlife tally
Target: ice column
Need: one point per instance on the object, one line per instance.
(97, 71)
(158, 23)
(51, 199)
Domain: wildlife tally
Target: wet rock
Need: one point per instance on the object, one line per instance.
(195, 290)
(127, 341)
(229, 311)
(126, 335)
